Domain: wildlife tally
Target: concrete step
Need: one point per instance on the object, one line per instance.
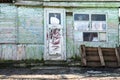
(55, 63)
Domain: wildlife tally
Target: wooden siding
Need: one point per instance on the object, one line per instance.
(34, 52)
(112, 28)
(18, 27)
(82, 4)
(30, 25)
(70, 3)
(22, 31)
(8, 24)
(21, 52)
(69, 37)
(9, 52)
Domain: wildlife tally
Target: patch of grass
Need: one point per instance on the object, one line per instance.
(75, 58)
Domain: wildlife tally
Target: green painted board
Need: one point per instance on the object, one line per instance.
(34, 52)
(30, 25)
(7, 23)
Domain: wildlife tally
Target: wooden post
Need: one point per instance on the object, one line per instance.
(117, 56)
(83, 55)
(101, 56)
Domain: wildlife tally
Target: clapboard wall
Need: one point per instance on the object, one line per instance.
(22, 28)
(21, 32)
(112, 32)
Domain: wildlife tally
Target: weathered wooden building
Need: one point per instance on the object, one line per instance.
(54, 29)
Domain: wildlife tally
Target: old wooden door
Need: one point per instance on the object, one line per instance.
(55, 39)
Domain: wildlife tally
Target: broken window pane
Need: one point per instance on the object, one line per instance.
(90, 36)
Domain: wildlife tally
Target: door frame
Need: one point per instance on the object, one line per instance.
(46, 22)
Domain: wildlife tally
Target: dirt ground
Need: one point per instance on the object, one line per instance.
(59, 73)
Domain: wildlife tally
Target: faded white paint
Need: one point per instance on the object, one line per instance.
(54, 49)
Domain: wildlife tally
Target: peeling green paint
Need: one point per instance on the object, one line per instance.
(30, 25)
(26, 26)
(34, 52)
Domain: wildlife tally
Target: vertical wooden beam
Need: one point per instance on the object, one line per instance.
(83, 55)
(101, 56)
(117, 56)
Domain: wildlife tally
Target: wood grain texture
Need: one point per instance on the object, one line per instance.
(117, 56)
(101, 56)
(83, 55)
(21, 54)
(8, 24)
(30, 25)
(100, 59)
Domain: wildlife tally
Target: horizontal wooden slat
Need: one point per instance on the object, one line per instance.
(110, 58)
(96, 58)
(91, 49)
(93, 58)
(108, 53)
(31, 30)
(92, 53)
(111, 64)
(93, 64)
(108, 49)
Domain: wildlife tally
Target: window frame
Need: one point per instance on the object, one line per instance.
(90, 25)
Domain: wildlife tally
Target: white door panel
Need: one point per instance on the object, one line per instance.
(55, 46)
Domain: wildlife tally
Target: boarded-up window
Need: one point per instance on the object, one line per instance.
(6, 1)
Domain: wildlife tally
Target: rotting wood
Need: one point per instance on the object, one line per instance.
(117, 56)
(101, 56)
(83, 55)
